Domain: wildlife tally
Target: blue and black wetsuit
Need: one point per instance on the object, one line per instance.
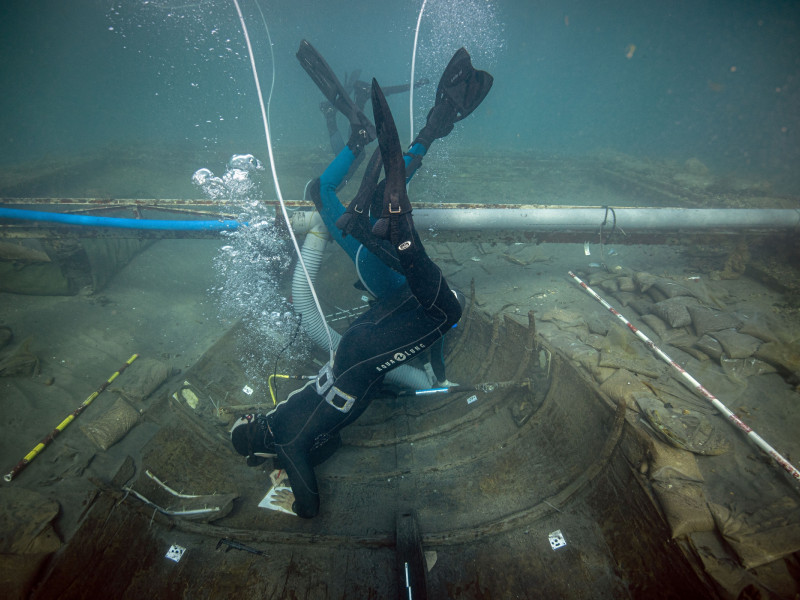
(415, 307)
(412, 311)
(376, 275)
(306, 427)
(378, 278)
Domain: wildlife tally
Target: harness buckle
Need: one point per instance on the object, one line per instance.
(335, 393)
(324, 379)
(330, 392)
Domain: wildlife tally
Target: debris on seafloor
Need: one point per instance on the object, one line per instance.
(197, 507)
(145, 376)
(20, 362)
(685, 429)
(725, 349)
(112, 426)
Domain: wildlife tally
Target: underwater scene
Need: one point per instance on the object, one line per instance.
(456, 299)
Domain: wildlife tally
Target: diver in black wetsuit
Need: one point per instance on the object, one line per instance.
(375, 277)
(304, 430)
(460, 91)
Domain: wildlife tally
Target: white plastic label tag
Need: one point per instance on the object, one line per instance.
(557, 539)
(175, 552)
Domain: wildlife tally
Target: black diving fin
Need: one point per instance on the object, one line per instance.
(395, 198)
(333, 90)
(359, 206)
(404, 87)
(395, 221)
(461, 89)
(462, 85)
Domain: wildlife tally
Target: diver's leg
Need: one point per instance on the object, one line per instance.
(378, 269)
(381, 274)
(413, 158)
(323, 193)
(394, 331)
(424, 277)
(354, 221)
(396, 224)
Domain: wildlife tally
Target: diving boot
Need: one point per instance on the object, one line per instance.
(362, 132)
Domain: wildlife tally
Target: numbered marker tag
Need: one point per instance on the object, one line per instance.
(175, 552)
(557, 539)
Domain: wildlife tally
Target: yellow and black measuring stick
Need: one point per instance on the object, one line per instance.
(61, 426)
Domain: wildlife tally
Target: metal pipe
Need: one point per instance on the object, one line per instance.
(586, 218)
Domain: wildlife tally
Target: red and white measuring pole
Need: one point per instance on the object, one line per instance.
(752, 435)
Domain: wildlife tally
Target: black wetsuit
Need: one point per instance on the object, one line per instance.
(304, 430)
(306, 426)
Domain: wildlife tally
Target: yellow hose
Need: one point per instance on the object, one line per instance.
(272, 387)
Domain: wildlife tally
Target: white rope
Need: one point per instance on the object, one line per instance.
(272, 57)
(413, 68)
(275, 172)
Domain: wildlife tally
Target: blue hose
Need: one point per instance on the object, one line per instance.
(92, 221)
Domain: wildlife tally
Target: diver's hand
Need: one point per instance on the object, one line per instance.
(284, 498)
